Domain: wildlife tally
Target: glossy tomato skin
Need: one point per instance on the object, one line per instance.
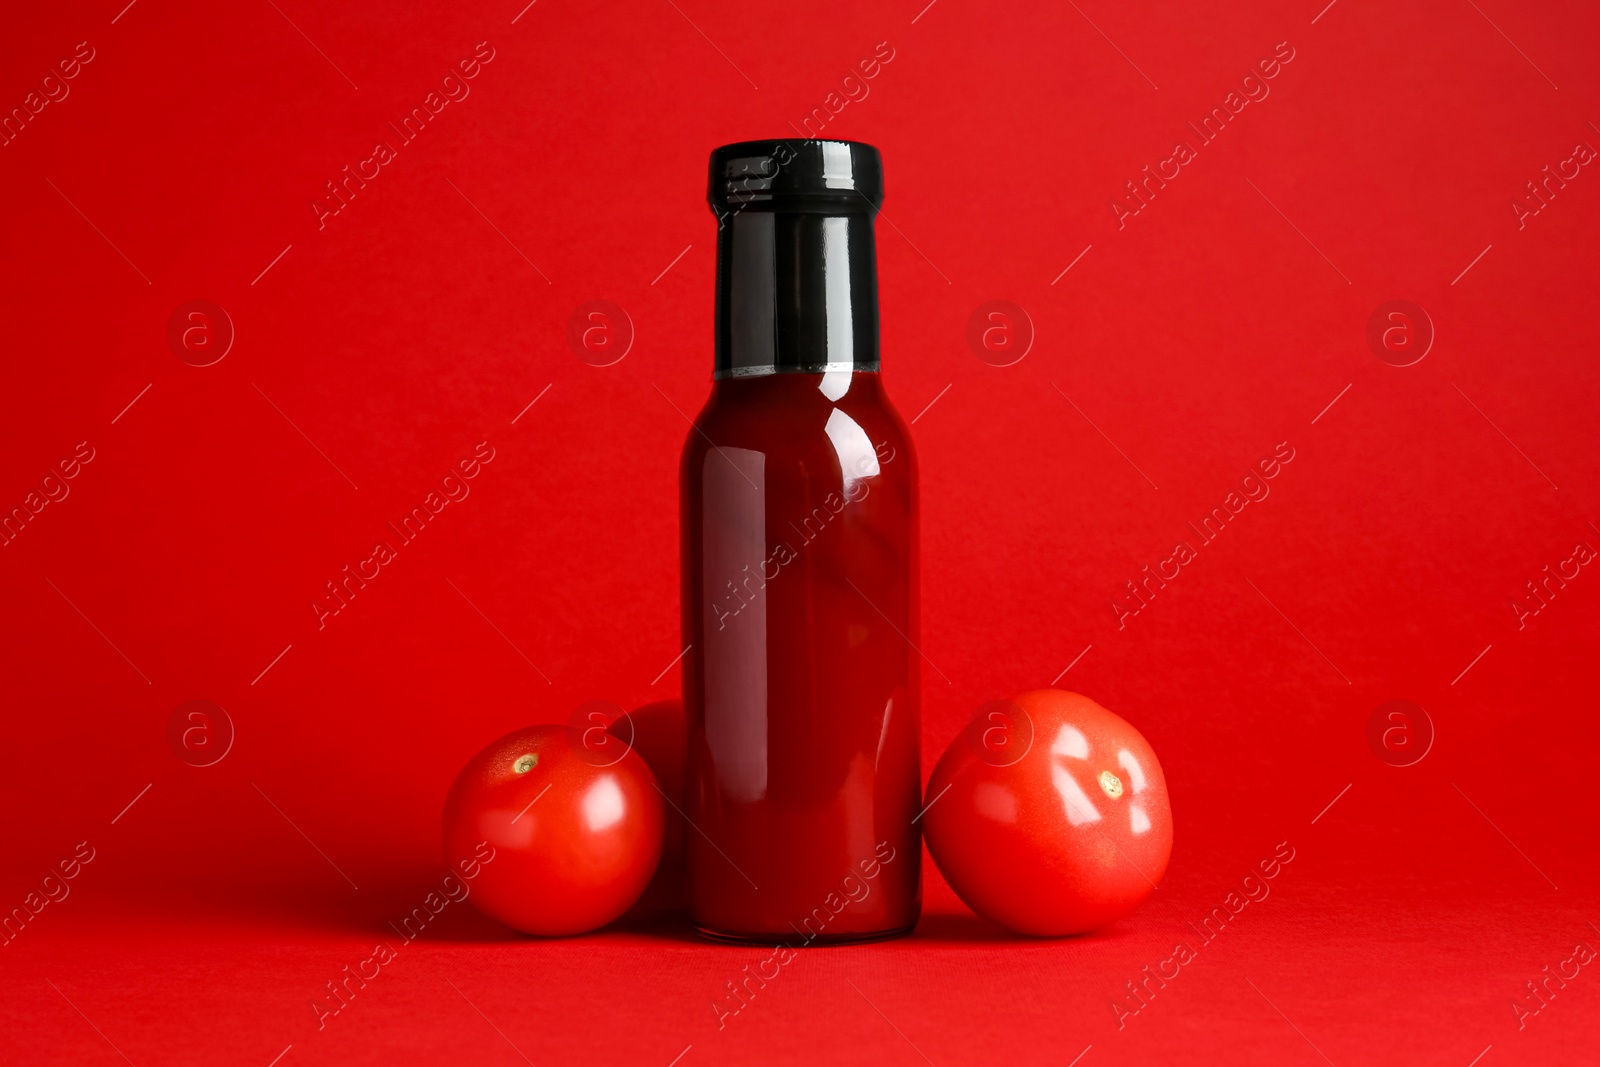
(575, 839)
(1064, 831)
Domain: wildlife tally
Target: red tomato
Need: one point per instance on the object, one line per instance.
(1049, 815)
(656, 733)
(575, 837)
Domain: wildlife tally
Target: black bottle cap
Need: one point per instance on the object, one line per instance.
(797, 276)
(793, 174)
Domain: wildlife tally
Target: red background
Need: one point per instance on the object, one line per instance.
(1223, 319)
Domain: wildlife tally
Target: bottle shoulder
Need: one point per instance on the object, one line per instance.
(803, 422)
(774, 405)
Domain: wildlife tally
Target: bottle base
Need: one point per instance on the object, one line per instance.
(729, 937)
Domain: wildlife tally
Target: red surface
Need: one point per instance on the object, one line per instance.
(1206, 331)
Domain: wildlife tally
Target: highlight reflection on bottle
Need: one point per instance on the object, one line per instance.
(799, 541)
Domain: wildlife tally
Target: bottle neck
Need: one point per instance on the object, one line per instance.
(797, 292)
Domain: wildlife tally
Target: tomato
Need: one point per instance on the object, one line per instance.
(1049, 815)
(656, 733)
(562, 841)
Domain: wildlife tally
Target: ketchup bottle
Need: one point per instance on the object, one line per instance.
(799, 541)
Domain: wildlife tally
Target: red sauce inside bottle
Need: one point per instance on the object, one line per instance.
(801, 685)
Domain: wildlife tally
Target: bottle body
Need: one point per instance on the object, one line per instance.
(801, 687)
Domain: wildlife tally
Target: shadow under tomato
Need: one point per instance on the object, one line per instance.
(962, 928)
(305, 899)
(966, 928)
(313, 899)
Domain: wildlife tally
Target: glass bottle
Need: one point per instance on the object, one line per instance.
(799, 542)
